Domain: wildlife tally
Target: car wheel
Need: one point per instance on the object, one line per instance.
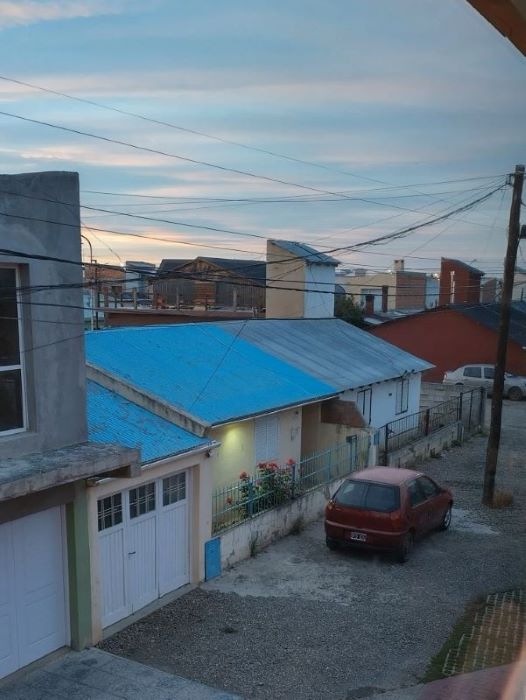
(332, 544)
(406, 548)
(446, 520)
(515, 393)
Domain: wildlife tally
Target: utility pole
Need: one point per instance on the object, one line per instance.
(514, 233)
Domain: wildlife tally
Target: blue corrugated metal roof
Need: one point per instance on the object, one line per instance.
(302, 250)
(112, 418)
(330, 349)
(203, 370)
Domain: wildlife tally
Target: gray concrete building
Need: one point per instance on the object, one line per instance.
(45, 456)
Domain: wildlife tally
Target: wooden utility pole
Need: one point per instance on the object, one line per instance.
(492, 452)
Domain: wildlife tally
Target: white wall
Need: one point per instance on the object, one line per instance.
(318, 281)
(383, 405)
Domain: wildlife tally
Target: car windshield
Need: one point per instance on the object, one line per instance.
(363, 494)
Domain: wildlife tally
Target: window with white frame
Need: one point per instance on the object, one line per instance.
(266, 438)
(363, 401)
(12, 407)
(402, 395)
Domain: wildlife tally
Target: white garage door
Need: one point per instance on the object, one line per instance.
(144, 545)
(32, 589)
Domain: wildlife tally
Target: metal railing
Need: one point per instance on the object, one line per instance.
(465, 408)
(272, 484)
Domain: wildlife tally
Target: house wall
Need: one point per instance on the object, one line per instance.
(383, 402)
(289, 276)
(356, 284)
(319, 279)
(55, 371)
(237, 451)
(466, 284)
(449, 340)
(199, 526)
(519, 287)
(410, 290)
(317, 436)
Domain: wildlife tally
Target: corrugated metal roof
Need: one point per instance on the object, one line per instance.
(203, 370)
(302, 250)
(112, 418)
(488, 315)
(330, 349)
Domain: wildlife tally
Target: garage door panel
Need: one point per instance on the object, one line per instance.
(32, 594)
(112, 551)
(173, 548)
(142, 562)
(39, 568)
(8, 633)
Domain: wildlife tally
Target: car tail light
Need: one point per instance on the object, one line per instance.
(396, 519)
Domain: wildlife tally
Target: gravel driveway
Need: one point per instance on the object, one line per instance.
(299, 621)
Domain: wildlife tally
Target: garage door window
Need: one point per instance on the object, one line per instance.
(109, 511)
(142, 500)
(174, 489)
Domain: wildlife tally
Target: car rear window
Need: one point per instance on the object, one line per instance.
(362, 494)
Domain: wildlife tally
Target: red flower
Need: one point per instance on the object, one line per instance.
(273, 466)
(262, 465)
(244, 476)
(229, 500)
(291, 462)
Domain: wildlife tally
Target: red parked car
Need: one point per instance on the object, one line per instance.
(386, 508)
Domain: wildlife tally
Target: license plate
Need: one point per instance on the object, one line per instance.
(358, 536)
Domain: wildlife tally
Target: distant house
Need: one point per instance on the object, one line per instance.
(398, 289)
(460, 283)
(450, 337)
(211, 283)
(46, 458)
(519, 287)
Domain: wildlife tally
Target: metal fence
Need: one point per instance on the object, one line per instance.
(272, 484)
(465, 408)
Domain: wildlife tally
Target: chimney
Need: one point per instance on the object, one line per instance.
(399, 265)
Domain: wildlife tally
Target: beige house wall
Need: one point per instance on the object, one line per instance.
(237, 451)
(317, 436)
(355, 284)
(289, 276)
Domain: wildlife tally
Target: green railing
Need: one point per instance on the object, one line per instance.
(273, 484)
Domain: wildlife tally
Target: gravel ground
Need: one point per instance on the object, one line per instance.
(299, 621)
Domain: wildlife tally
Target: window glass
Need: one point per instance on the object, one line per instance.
(351, 493)
(109, 511)
(382, 498)
(402, 395)
(142, 500)
(174, 489)
(416, 496)
(472, 372)
(489, 372)
(9, 340)
(427, 487)
(11, 405)
(363, 401)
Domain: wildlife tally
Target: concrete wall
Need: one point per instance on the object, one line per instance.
(317, 436)
(432, 445)
(52, 335)
(273, 524)
(237, 451)
(356, 283)
(289, 276)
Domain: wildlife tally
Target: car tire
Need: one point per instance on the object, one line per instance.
(515, 393)
(406, 548)
(332, 544)
(446, 519)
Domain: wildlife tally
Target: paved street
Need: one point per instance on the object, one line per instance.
(299, 621)
(96, 675)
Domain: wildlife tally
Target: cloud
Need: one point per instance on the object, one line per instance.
(22, 12)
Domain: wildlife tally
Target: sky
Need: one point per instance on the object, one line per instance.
(403, 110)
